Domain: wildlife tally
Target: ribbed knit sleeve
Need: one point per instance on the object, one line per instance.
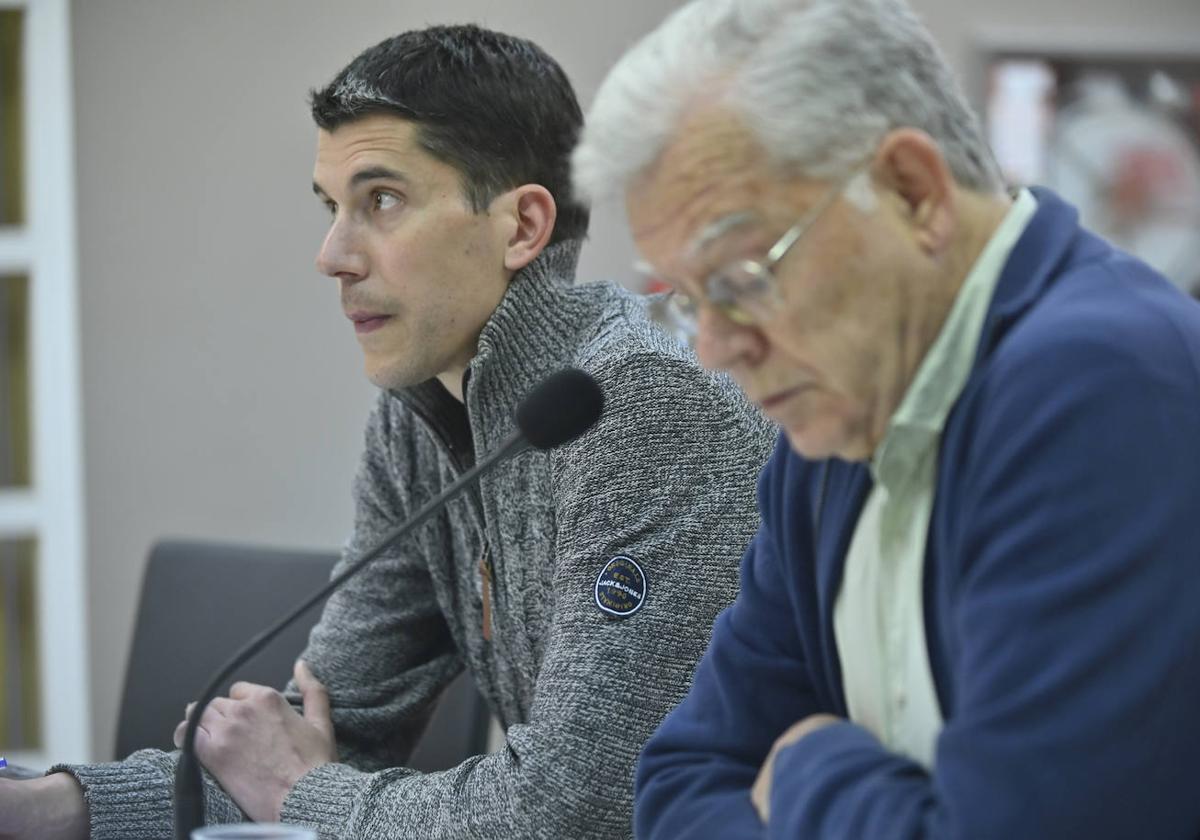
(132, 799)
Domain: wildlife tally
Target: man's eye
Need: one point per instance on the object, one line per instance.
(331, 206)
(384, 200)
(685, 305)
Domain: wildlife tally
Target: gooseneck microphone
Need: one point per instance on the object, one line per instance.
(559, 409)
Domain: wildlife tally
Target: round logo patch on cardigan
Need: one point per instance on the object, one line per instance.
(621, 587)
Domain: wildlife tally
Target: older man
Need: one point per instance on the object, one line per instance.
(578, 586)
(971, 609)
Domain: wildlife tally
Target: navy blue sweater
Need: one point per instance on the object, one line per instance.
(1062, 594)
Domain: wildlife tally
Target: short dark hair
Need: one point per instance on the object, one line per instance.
(496, 108)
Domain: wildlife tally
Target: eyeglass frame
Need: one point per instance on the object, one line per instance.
(676, 311)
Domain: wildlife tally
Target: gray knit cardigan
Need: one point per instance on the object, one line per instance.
(666, 478)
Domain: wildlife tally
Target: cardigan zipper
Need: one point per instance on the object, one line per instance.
(485, 573)
(486, 569)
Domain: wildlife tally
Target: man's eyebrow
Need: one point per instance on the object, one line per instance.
(376, 173)
(362, 176)
(719, 228)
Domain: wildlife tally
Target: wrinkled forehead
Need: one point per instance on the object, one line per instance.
(707, 180)
(375, 140)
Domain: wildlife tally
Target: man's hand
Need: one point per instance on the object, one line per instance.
(760, 794)
(258, 747)
(51, 808)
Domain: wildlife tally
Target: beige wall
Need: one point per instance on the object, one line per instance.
(222, 388)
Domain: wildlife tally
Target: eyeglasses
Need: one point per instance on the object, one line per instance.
(744, 290)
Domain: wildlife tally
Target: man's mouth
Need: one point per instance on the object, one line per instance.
(779, 398)
(366, 322)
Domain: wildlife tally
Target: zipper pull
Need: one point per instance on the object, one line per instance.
(485, 573)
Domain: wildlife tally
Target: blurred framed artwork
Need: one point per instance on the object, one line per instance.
(1116, 132)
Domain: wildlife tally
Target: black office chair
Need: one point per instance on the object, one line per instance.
(201, 601)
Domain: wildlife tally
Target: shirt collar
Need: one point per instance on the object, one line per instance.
(917, 423)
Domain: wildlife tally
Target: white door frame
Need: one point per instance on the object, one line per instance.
(52, 511)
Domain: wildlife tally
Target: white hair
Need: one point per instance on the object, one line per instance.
(818, 82)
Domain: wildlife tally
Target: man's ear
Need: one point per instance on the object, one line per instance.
(531, 211)
(910, 165)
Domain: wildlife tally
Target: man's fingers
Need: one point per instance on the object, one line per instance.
(760, 793)
(315, 697)
(182, 727)
(219, 707)
(202, 734)
(248, 690)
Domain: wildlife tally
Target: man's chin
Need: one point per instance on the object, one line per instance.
(815, 444)
(394, 377)
(803, 444)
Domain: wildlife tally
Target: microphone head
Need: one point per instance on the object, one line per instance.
(560, 408)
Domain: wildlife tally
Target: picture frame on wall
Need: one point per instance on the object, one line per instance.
(1115, 130)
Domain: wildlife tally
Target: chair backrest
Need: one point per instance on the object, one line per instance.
(201, 601)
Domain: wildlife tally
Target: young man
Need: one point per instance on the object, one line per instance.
(578, 586)
(971, 610)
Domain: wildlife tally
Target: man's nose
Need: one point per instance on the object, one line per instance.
(341, 253)
(724, 344)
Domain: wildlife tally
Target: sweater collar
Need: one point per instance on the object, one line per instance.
(525, 338)
(532, 333)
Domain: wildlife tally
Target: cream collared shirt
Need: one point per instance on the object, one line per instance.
(878, 620)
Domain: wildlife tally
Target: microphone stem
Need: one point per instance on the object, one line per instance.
(189, 785)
